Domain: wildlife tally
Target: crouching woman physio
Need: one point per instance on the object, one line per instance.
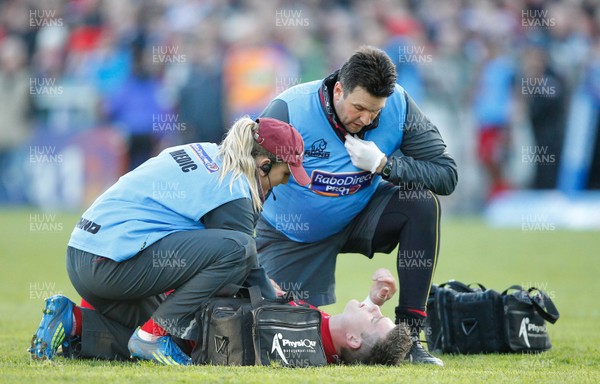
(183, 223)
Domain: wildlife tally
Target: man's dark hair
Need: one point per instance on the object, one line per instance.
(390, 350)
(371, 69)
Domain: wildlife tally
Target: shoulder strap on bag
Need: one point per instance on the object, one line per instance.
(543, 305)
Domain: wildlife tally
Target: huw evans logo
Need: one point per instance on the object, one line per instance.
(317, 149)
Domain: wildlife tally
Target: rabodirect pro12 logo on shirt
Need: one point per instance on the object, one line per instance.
(339, 184)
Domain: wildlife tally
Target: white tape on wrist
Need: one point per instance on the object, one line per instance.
(368, 301)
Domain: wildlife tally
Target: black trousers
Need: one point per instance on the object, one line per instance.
(395, 217)
(411, 221)
(195, 264)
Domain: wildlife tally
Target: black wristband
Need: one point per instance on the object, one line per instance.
(387, 169)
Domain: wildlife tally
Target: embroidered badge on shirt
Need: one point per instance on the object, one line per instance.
(339, 184)
(209, 164)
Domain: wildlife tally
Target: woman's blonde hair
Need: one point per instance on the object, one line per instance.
(238, 151)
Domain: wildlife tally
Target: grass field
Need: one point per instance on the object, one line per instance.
(563, 263)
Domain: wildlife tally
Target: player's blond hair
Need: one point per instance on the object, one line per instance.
(238, 152)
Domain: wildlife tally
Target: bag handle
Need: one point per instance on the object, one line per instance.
(461, 287)
(481, 286)
(540, 301)
(543, 305)
(515, 287)
(255, 296)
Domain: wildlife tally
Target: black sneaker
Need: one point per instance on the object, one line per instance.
(418, 355)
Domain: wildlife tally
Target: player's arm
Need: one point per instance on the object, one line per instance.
(236, 215)
(382, 289)
(424, 159)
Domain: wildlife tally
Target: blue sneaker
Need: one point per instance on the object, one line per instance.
(55, 328)
(163, 350)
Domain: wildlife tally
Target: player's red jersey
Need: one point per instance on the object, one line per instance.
(330, 352)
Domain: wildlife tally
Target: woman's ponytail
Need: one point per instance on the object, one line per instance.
(237, 152)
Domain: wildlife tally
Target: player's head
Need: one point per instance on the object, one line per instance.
(272, 148)
(389, 350)
(364, 83)
(372, 338)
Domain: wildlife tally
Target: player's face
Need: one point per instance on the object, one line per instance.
(356, 109)
(367, 320)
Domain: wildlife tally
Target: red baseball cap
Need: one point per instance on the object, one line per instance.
(284, 141)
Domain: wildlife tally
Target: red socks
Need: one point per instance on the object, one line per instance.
(154, 329)
(76, 331)
(418, 312)
(85, 304)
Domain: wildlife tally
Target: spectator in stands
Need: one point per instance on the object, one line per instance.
(544, 95)
(135, 107)
(492, 102)
(200, 99)
(15, 103)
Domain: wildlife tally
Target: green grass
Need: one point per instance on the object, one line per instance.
(563, 263)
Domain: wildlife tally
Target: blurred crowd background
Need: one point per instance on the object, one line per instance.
(91, 88)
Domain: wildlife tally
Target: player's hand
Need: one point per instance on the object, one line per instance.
(277, 288)
(364, 154)
(383, 287)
